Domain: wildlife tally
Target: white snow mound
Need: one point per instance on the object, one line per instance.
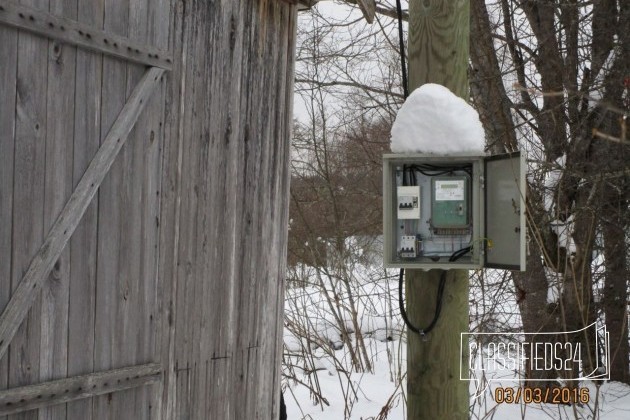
(434, 120)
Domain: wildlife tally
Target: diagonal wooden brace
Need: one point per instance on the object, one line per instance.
(69, 218)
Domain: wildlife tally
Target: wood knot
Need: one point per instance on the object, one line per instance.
(232, 32)
(228, 129)
(56, 51)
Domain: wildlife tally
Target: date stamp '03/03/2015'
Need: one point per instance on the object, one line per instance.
(536, 395)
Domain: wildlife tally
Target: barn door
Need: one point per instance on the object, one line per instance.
(60, 135)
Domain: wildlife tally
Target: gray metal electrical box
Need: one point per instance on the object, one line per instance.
(455, 211)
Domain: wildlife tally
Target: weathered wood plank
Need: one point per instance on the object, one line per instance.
(221, 267)
(268, 332)
(70, 31)
(112, 195)
(251, 159)
(53, 357)
(83, 245)
(68, 220)
(158, 23)
(170, 210)
(187, 256)
(60, 391)
(28, 200)
(8, 81)
(133, 332)
(199, 245)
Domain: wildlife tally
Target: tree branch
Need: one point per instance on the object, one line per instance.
(315, 84)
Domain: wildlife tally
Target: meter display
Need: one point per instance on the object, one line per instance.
(449, 204)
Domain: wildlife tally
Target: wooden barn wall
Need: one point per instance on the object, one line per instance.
(179, 259)
(225, 207)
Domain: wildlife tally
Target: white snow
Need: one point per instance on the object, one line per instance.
(556, 280)
(321, 384)
(551, 181)
(564, 230)
(434, 120)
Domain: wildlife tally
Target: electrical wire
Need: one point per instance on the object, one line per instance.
(438, 299)
(401, 40)
(434, 170)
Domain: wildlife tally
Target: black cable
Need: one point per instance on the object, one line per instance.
(438, 299)
(438, 304)
(409, 171)
(433, 170)
(401, 40)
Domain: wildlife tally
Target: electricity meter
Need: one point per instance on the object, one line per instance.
(454, 211)
(449, 203)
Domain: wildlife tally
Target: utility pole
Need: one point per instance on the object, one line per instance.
(438, 53)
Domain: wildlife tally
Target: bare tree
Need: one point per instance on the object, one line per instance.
(550, 78)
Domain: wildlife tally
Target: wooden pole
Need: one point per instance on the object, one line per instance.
(438, 53)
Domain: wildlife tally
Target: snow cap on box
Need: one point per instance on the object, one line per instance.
(434, 120)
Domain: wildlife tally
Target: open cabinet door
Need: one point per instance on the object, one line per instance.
(505, 187)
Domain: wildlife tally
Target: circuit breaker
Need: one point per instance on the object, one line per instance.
(454, 211)
(408, 202)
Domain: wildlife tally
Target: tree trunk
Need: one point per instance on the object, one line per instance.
(615, 291)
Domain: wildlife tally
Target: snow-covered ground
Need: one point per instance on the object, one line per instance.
(328, 377)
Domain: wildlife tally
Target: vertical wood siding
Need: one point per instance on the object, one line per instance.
(60, 104)
(29, 173)
(228, 153)
(84, 243)
(8, 94)
(179, 259)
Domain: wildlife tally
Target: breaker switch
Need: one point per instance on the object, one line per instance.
(408, 247)
(408, 202)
